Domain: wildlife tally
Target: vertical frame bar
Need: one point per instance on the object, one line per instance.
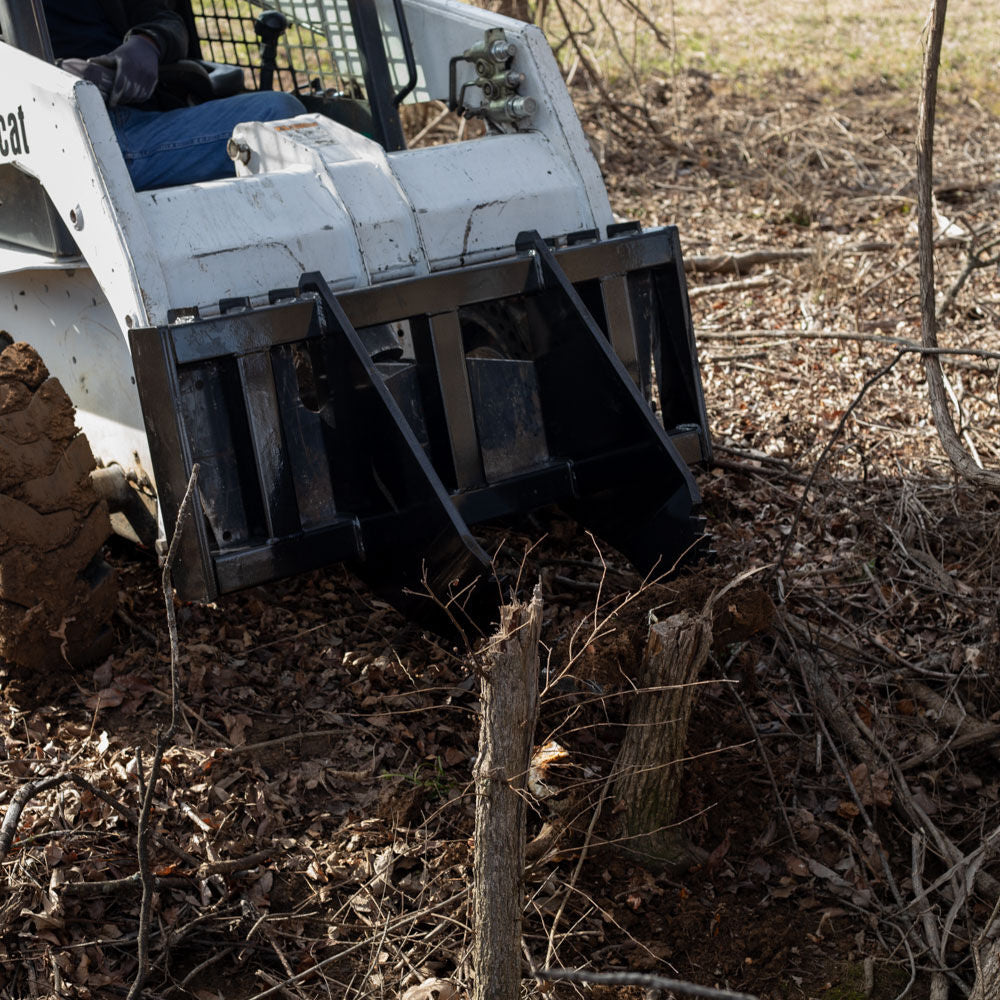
(440, 344)
(378, 80)
(159, 392)
(621, 329)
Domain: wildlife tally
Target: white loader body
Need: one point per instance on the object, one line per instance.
(313, 196)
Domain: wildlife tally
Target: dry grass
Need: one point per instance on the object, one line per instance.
(832, 46)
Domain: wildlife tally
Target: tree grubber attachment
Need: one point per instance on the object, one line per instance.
(376, 425)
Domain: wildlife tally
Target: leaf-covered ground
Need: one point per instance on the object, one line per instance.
(313, 825)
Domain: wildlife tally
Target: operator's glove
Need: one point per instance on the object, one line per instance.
(101, 76)
(136, 65)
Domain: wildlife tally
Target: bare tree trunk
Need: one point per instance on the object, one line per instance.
(506, 736)
(960, 459)
(648, 769)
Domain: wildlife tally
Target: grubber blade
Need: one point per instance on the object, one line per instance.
(632, 487)
(318, 442)
(416, 549)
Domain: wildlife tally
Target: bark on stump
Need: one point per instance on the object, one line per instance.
(648, 770)
(987, 985)
(506, 736)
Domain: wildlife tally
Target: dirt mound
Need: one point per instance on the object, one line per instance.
(56, 592)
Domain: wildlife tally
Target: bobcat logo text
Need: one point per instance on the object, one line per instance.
(13, 137)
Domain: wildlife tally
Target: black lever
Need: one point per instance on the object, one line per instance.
(270, 26)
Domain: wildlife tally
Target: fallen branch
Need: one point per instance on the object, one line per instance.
(939, 983)
(740, 263)
(790, 537)
(115, 886)
(17, 803)
(967, 731)
(761, 281)
(651, 982)
(27, 792)
(974, 262)
(388, 928)
(911, 346)
(827, 704)
(234, 865)
(965, 872)
(986, 958)
(759, 470)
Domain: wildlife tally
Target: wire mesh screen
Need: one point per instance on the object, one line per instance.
(318, 52)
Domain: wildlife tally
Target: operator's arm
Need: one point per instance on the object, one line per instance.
(151, 34)
(154, 19)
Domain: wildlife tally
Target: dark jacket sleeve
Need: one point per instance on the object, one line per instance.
(153, 18)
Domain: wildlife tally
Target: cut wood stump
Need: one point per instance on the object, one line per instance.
(506, 736)
(648, 771)
(987, 985)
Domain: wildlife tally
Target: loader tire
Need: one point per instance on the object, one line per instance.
(57, 594)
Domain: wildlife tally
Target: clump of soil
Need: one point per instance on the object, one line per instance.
(56, 592)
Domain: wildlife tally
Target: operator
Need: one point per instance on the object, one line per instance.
(119, 45)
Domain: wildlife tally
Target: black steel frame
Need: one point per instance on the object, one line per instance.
(307, 456)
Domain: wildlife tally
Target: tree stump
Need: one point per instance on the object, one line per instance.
(987, 985)
(509, 693)
(648, 770)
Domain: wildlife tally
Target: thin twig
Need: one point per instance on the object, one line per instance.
(550, 952)
(960, 459)
(789, 538)
(677, 986)
(392, 925)
(163, 740)
(720, 288)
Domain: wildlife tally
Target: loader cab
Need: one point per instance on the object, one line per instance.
(350, 60)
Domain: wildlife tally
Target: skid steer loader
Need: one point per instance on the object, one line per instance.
(366, 348)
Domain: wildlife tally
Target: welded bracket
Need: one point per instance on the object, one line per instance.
(633, 487)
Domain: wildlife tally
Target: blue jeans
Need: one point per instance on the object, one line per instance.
(164, 148)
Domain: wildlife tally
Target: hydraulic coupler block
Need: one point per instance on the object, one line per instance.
(496, 80)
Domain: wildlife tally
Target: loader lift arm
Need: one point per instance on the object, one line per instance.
(314, 453)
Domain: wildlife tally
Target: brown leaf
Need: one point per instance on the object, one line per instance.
(109, 697)
(796, 866)
(316, 873)
(236, 727)
(714, 859)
